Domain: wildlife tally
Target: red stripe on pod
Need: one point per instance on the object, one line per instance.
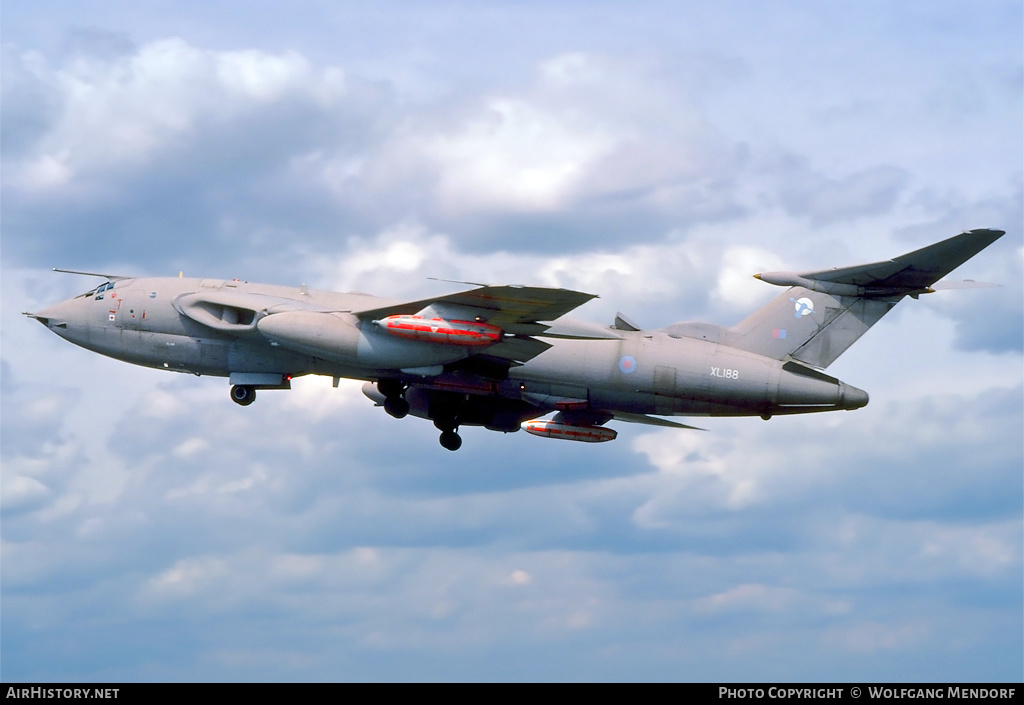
(439, 330)
(569, 432)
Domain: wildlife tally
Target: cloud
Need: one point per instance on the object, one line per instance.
(579, 136)
(656, 158)
(515, 158)
(122, 151)
(31, 101)
(872, 637)
(1001, 328)
(751, 596)
(22, 493)
(862, 194)
(912, 468)
(122, 111)
(291, 136)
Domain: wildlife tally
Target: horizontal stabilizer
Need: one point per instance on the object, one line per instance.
(917, 269)
(913, 272)
(824, 312)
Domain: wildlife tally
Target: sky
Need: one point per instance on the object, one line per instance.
(656, 154)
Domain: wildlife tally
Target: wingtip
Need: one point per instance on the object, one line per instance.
(994, 233)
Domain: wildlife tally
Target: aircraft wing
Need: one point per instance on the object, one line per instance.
(651, 420)
(598, 417)
(502, 306)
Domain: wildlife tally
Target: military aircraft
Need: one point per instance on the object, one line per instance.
(504, 357)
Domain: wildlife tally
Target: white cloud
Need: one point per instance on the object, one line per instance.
(736, 285)
(21, 492)
(46, 171)
(752, 596)
(516, 156)
(186, 577)
(520, 577)
(872, 636)
(588, 129)
(191, 447)
(124, 111)
(980, 550)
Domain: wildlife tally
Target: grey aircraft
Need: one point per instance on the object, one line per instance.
(505, 357)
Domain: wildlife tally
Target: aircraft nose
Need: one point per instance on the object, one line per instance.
(56, 316)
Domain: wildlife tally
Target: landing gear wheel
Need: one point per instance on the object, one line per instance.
(243, 394)
(391, 387)
(396, 406)
(394, 401)
(451, 440)
(445, 422)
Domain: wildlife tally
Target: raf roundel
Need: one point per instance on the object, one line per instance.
(804, 307)
(627, 365)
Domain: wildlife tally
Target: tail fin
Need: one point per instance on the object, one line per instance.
(825, 312)
(809, 326)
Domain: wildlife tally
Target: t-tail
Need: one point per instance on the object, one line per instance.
(823, 313)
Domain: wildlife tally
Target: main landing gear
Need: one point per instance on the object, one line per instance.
(446, 419)
(396, 406)
(394, 401)
(448, 424)
(243, 394)
(451, 440)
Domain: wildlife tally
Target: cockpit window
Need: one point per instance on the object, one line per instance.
(98, 290)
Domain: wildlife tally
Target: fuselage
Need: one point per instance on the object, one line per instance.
(502, 356)
(263, 332)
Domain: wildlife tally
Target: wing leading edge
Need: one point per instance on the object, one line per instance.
(502, 306)
(521, 312)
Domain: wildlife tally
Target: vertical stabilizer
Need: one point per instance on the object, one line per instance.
(810, 326)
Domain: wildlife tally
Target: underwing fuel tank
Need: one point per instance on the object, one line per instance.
(340, 337)
(440, 330)
(569, 432)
